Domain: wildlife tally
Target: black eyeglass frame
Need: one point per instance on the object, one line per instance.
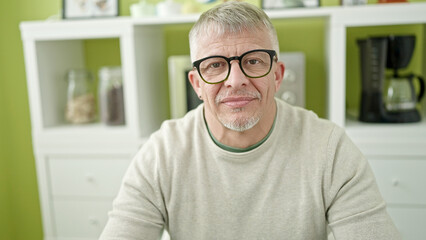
(272, 55)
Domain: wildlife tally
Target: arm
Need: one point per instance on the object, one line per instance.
(137, 210)
(355, 208)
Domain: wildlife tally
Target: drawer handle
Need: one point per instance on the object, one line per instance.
(93, 221)
(395, 182)
(90, 178)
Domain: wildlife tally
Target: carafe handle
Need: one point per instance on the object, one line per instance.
(422, 88)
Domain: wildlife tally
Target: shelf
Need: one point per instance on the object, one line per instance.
(55, 58)
(357, 16)
(52, 48)
(397, 139)
(381, 14)
(387, 128)
(89, 128)
(74, 29)
(90, 138)
(372, 14)
(97, 133)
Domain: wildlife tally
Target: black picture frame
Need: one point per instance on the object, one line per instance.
(81, 9)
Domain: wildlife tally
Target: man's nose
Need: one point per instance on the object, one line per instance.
(236, 76)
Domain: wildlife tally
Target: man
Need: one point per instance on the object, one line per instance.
(245, 165)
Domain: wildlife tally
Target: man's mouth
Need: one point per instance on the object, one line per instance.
(237, 102)
(237, 99)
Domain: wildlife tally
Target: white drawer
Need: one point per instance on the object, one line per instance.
(80, 219)
(401, 181)
(96, 176)
(409, 221)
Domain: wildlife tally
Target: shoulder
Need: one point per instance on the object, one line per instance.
(304, 123)
(320, 141)
(180, 130)
(167, 151)
(174, 136)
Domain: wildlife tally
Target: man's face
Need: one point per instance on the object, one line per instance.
(240, 102)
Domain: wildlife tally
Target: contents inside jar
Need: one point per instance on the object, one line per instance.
(114, 114)
(81, 109)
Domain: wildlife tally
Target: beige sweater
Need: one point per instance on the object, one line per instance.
(306, 176)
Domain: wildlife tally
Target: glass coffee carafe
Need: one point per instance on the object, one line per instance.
(400, 94)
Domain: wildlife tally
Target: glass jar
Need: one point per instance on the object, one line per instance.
(111, 101)
(81, 106)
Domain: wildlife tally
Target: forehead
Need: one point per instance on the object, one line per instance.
(233, 44)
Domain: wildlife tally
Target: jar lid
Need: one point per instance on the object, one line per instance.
(79, 73)
(108, 72)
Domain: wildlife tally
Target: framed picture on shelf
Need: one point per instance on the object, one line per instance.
(89, 8)
(280, 4)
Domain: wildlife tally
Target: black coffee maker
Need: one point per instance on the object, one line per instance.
(388, 99)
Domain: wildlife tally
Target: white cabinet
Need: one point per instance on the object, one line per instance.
(396, 152)
(82, 190)
(80, 219)
(77, 190)
(410, 221)
(85, 176)
(397, 155)
(79, 167)
(402, 182)
(401, 179)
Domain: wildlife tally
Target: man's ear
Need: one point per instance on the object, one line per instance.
(279, 75)
(194, 79)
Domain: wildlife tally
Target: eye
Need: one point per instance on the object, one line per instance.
(253, 61)
(216, 65)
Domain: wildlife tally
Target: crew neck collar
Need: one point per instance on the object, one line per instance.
(239, 150)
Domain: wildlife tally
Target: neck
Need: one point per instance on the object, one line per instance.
(242, 139)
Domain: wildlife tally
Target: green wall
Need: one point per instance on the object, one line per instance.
(20, 217)
(20, 213)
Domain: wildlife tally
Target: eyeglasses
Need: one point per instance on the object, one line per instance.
(254, 64)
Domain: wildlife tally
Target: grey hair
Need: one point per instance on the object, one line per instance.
(231, 17)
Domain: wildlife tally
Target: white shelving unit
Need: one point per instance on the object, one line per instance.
(75, 163)
(396, 152)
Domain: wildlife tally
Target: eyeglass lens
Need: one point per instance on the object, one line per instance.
(253, 64)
